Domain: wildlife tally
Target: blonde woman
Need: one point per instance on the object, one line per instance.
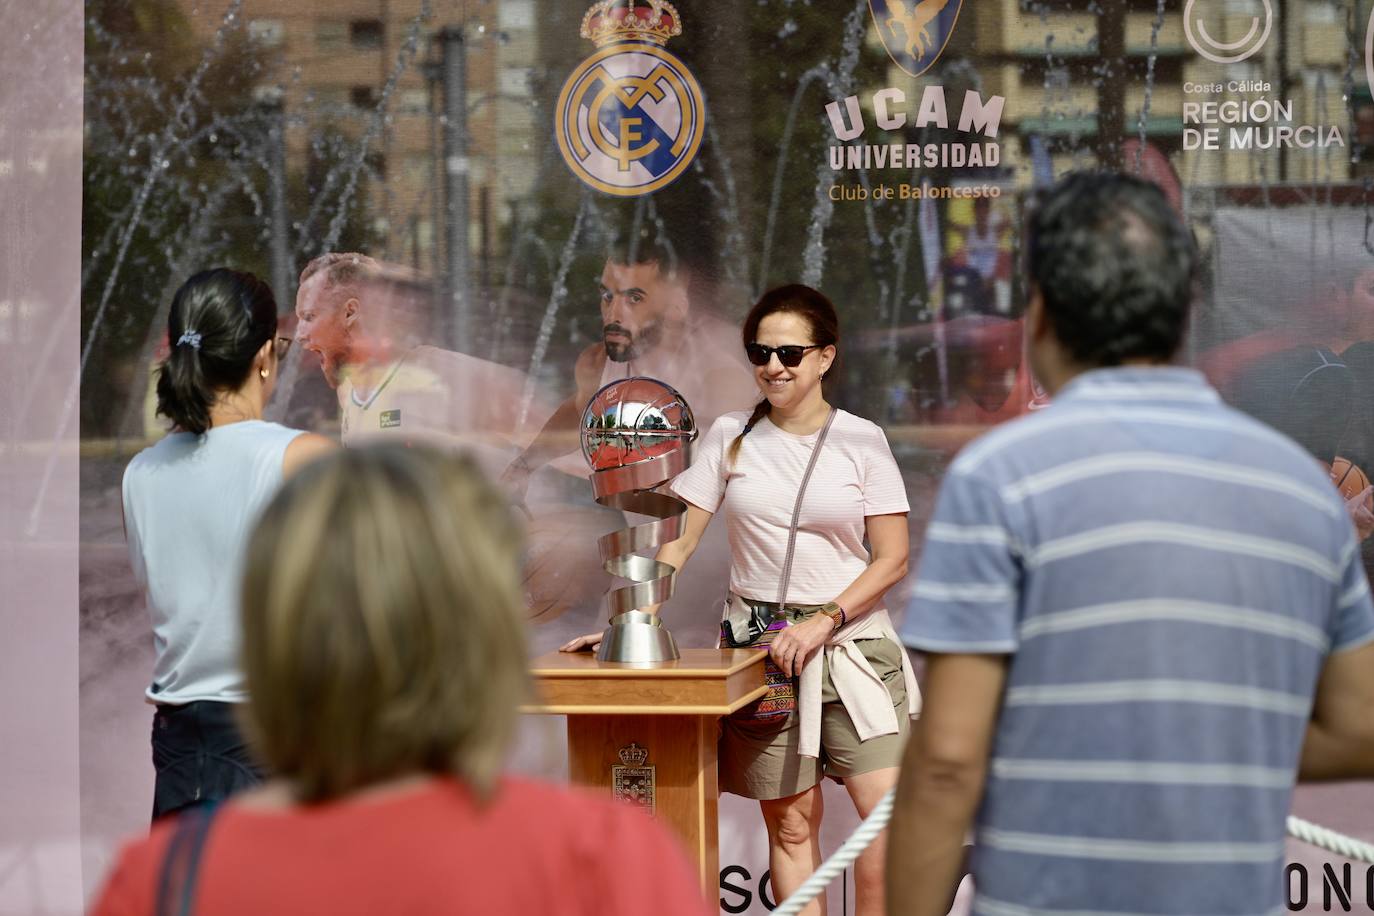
(384, 652)
(811, 569)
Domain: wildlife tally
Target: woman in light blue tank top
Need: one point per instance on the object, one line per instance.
(189, 503)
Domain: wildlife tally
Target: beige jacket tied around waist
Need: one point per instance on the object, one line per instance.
(861, 690)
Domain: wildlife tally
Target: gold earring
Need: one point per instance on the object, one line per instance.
(263, 373)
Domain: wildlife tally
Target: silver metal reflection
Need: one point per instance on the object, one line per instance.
(635, 434)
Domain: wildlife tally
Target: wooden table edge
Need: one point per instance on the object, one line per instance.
(616, 670)
(564, 710)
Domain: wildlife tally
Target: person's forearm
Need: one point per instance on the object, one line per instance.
(553, 439)
(1329, 756)
(675, 554)
(872, 584)
(934, 809)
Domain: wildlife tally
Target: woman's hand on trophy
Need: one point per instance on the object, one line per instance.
(586, 643)
(791, 646)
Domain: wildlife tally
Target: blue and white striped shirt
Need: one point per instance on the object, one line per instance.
(1168, 577)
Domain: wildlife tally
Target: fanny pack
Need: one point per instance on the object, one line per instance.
(747, 625)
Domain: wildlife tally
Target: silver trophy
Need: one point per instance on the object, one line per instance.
(635, 434)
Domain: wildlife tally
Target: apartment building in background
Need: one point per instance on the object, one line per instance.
(331, 61)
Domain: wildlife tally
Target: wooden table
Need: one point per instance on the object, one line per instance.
(647, 735)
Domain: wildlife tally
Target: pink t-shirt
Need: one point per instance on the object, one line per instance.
(855, 477)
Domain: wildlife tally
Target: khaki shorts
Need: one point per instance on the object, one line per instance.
(763, 760)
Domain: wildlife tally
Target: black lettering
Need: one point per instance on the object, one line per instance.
(764, 898)
(1288, 873)
(1369, 887)
(746, 898)
(1340, 885)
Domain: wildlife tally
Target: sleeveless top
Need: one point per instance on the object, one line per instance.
(190, 503)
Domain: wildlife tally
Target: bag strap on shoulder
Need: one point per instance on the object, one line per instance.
(180, 866)
(796, 510)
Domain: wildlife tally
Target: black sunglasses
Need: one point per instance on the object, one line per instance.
(790, 355)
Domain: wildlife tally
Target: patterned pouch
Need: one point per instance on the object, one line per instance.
(781, 698)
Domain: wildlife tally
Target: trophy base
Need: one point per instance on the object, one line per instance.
(636, 643)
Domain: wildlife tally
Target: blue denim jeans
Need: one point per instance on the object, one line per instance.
(199, 756)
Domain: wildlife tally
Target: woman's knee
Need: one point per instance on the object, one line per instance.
(794, 821)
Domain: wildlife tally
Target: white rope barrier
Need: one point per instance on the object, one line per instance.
(876, 821)
(1330, 840)
(843, 857)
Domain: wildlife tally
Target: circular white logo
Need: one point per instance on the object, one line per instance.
(1226, 52)
(630, 119)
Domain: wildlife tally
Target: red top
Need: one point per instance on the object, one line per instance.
(534, 848)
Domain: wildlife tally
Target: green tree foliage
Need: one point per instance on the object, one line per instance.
(176, 179)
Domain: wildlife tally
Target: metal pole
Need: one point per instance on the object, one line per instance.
(454, 65)
(1111, 93)
(280, 250)
(433, 74)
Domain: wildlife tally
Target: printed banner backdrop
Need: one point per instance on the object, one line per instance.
(40, 195)
(489, 156)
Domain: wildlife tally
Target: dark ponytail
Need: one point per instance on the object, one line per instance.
(818, 312)
(218, 322)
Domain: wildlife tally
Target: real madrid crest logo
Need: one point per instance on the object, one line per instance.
(631, 116)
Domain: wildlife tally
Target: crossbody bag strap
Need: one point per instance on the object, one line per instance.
(796, 511)
(181, 863)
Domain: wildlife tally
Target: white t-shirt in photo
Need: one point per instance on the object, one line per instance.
(855, 477)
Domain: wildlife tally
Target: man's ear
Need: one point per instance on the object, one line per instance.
(351, 311)
(1037, 325)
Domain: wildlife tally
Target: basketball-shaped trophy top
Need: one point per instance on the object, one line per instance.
(633, 420)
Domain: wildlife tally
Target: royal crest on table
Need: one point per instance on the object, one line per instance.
(915, 31)
(631, 117)
(633, 781)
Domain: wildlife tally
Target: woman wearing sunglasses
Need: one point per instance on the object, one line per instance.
(803, 485)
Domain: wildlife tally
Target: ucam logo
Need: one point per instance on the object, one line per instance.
(1226, 52)
(915, 33)
(893, 112)
(631, 117)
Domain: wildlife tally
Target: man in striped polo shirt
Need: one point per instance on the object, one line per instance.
(1136, 605)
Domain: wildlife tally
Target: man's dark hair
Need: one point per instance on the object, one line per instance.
(1115, 265)
(678, 245)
